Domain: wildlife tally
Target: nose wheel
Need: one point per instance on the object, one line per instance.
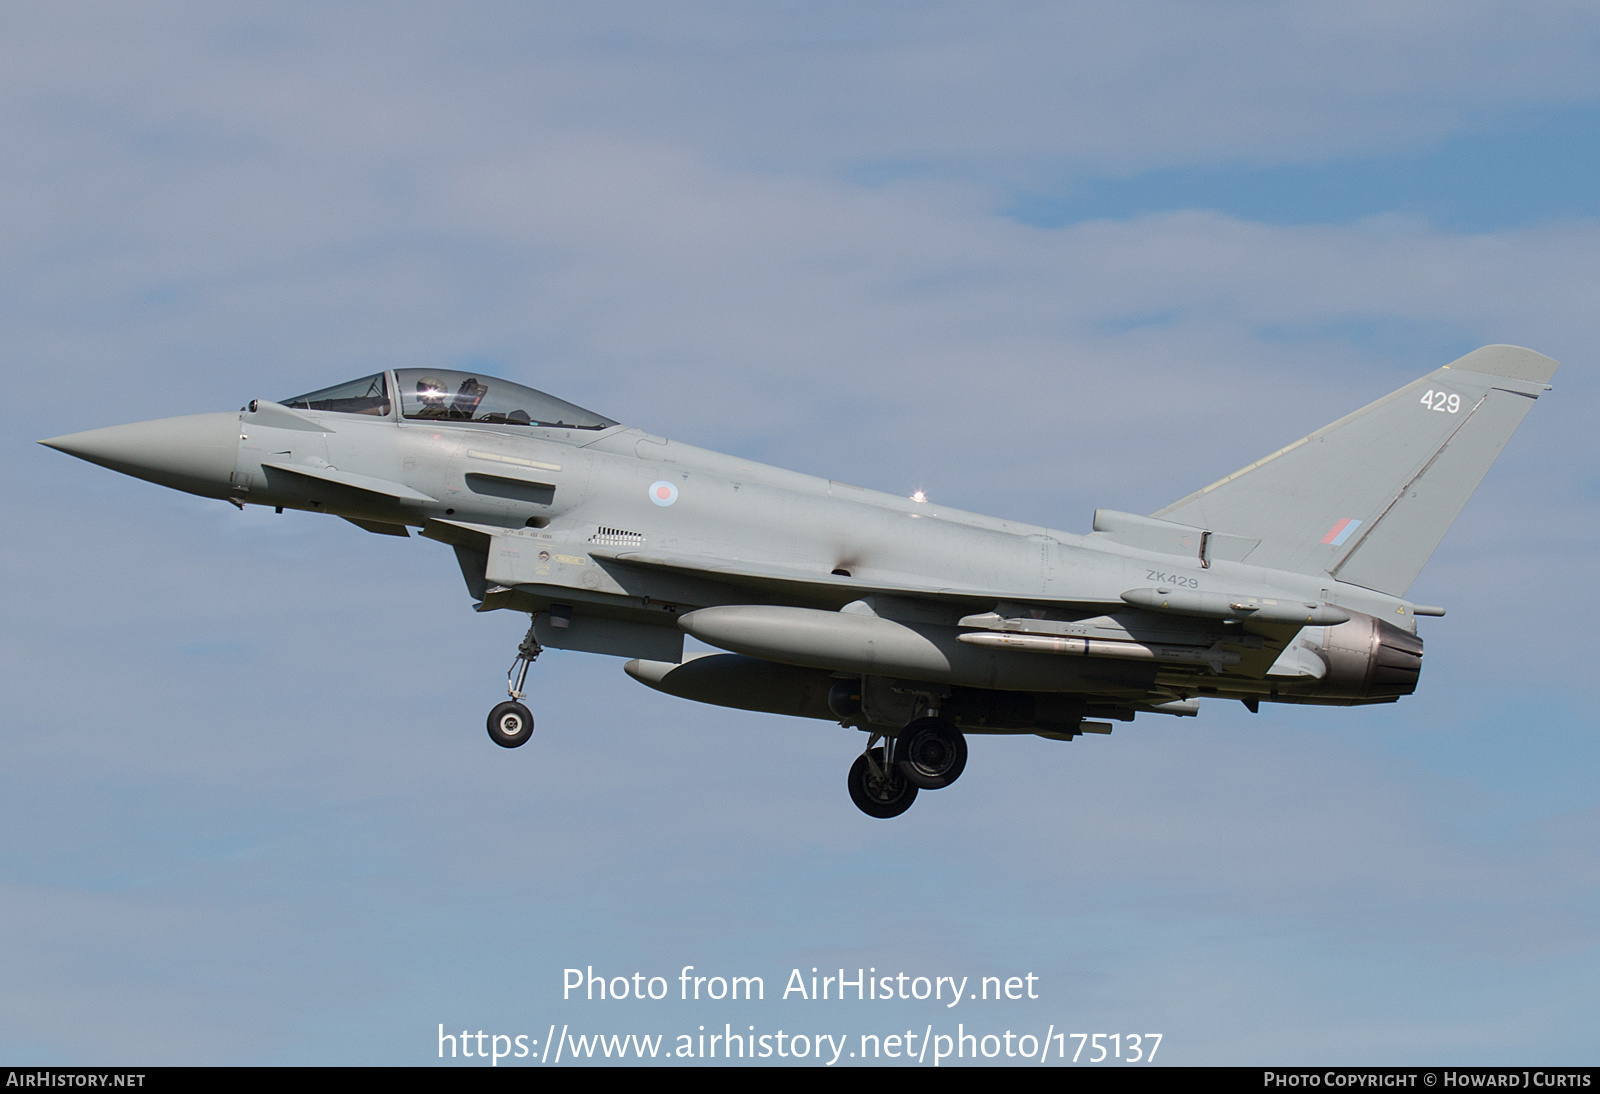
(511, 723)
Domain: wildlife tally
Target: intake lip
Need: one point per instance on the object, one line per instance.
(196, 453)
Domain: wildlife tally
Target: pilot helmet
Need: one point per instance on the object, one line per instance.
(432, 392)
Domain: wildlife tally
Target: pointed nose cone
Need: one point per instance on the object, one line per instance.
(195, 453)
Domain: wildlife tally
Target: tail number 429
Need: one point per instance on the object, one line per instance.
(1443, 402)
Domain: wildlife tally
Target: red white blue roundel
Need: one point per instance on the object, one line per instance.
(663, 492)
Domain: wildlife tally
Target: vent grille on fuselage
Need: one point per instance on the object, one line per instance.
(616, 537)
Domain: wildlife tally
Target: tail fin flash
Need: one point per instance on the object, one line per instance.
(1368, 498)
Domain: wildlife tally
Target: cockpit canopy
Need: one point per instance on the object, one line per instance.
(444, 395)
(369, 395)
(470, 397)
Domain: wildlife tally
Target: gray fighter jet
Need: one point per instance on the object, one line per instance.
(1283, 583)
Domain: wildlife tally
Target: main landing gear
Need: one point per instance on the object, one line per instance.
(877, 787)
(929, 754)
(511, 723)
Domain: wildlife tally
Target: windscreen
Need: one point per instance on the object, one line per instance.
(443, 395)
(369, 395)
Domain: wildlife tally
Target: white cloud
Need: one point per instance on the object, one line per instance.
(645, 212)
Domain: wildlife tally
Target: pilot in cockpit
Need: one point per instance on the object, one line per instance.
(431, 394)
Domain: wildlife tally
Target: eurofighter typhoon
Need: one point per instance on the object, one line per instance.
(1283, 583)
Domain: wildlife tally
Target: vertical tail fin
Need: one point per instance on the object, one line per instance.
(1368, 498)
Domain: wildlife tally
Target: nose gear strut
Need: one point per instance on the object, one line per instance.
(527, 653)
(511, 723)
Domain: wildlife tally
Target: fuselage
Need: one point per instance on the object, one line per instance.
(636, 531)
(579, 490)
(910, 620)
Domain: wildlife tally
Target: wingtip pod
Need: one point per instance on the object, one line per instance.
(1512, 362)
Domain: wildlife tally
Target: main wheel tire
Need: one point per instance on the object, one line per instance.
(510, 725)
(930, 753)
(884, 797)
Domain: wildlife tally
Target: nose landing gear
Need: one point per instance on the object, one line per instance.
(511, 723)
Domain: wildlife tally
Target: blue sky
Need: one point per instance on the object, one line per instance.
(1032, 260)
(1531, 167)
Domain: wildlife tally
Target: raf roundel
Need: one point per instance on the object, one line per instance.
(663, 492)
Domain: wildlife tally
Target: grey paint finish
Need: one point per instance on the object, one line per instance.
(1403, 536)
(194, 453)
(727, 679)
(1435, 437)
(863, 643)
(1283, 582)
